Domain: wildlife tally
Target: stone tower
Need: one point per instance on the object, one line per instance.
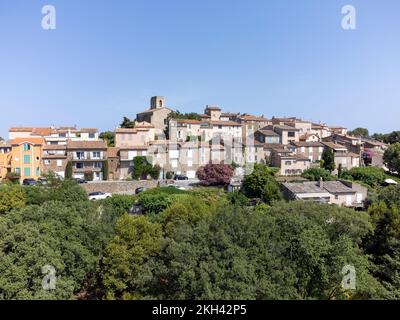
(157, 102)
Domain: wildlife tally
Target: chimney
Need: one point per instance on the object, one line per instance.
(321, 182)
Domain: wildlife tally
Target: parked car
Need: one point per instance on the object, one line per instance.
(181, 177)
(29, 182)
(99, 195)
(43, 181)
(80, 180)
(140, 189)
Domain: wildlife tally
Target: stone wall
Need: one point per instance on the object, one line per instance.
(127, 187)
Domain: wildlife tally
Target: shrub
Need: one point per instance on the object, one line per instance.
(315, 174)
(215, 174)
(372, 176)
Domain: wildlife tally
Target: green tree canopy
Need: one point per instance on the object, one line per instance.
(261, 183)
(127, 123)
(288, 251)
(372, 176)
(391, 157)
(315, 174)
(109, 137)
(360, 132)
(11, 197)
(328, 160)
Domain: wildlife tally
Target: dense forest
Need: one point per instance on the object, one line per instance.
(202, 243)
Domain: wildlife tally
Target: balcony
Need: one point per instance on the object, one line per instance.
(87, 157)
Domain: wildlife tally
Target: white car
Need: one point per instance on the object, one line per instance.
(99, 195)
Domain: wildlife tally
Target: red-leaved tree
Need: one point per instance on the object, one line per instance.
(215, 174)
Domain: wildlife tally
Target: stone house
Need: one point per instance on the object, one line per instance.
(341, 193)
(311, 150)
(87, 158)
(289, 163)
(55, 159)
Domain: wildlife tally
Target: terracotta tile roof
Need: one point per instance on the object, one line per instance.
(143, 124)
(42, 131)
(334, 146)
(267, 132)
(21, 129)
(54, 147)
(250, 117)
(189, 121)
(89, 130)
(99, 144)
(307, 144)
(133, 147)
(32, 140)
(154, 110)
(225, 123)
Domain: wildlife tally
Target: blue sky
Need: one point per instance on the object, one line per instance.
(273, 57)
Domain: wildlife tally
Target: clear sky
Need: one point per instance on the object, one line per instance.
(272, 57)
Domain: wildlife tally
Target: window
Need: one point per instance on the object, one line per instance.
(336, 197)
(98, 165)
(96, 155)
(59, 163)
(288, 163)
(27, 147)
(17, 170)
(91, 136)
(219, 127)
(62, 135)
(79, 165)
(291, 134)
(37, 171)
(190, 163)
(27, 159)
(27, 172)
(47, 162)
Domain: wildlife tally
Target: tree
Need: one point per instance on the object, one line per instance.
(215, 174)
(393, 137)
(360, 132)
(109, 137)
(127, 123)
(67, 236)
(136, 241)
(141, 168)
(68, 170)
(155, 172)
(288, 251)
(261, 183)
(371, 176)
(391, 157)
(11, 197)
(106, 170)
(13, 177)
(384, 245)
(328, 160)
(315, 174)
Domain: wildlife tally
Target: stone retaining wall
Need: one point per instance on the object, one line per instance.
(118, 186)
